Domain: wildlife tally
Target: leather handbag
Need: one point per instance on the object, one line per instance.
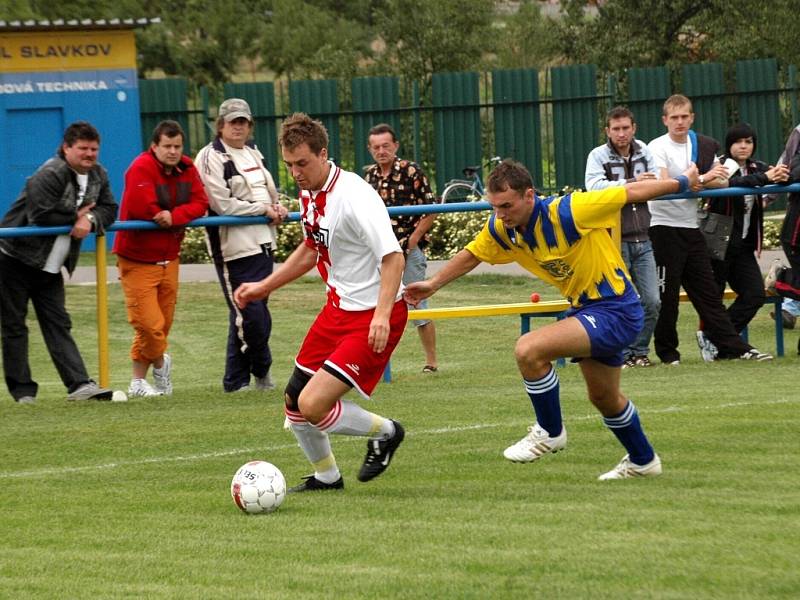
(716, 229)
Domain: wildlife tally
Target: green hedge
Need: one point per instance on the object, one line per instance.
(449, 234)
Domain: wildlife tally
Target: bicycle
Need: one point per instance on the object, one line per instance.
(470, 189)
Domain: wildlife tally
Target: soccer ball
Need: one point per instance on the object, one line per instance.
(258, 487)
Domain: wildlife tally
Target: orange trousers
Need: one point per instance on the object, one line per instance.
(151, 292)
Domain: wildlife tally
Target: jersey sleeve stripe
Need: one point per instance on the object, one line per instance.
(548, 231)
(567, 220)
(495, 235)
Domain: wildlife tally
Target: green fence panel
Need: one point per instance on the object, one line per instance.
(261, 98)
(161, 99)
(375, 100)
(648, 87)
(574, 121)
(517, 122)
(456, 123)
(319, 99)
(757, 87)
(705, 86)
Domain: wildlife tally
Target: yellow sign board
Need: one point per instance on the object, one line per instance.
(23, 52)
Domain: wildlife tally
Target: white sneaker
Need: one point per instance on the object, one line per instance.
(755, 354)
(90, 391)
(536, 444)
(626, 469)
(162, 377)
(708, 350)
(139, 388)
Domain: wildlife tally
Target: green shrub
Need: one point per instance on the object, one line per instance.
(193, 249)
(452, 231)
(772, 233)
(449, 234)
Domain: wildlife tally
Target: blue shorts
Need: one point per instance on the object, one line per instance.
(416, 264)
(612, 325)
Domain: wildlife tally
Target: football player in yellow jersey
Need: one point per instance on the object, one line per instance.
(564, 241)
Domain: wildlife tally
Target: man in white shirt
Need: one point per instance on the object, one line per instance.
(348, 236)
(682, 258)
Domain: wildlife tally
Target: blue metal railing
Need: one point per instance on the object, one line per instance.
(33, 230)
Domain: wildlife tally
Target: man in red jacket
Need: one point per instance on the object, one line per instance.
(161, 185)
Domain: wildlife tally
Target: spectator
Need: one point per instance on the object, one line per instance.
(347, 235)
(680, 249)
(739, 268)
(790, 309)
(564, 241)
(624, 159)
(69, 189)
(238, 184)
(162, 186)
(400, 182)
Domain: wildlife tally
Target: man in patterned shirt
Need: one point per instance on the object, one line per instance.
(400, 182)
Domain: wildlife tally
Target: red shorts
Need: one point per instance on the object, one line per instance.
(338, 339)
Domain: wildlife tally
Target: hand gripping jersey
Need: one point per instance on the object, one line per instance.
(566, 243)
(347, 224)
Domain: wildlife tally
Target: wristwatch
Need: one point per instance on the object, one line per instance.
(701, 180)
(90, 216)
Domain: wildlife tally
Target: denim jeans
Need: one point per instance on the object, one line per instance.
(641, 264)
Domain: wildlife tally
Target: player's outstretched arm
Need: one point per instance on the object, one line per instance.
(392, 266)
(297, 265)
(642, 191)
(460, 264)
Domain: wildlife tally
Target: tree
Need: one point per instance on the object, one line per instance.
(527, 38)
(617, 34)
(625, 33)
(302, 39)
(423, 37)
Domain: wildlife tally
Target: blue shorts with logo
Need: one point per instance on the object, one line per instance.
(612, 325)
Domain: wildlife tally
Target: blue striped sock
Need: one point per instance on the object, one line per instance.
(544, 394)
(628, 429)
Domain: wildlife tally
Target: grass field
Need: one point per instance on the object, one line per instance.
(103, 500)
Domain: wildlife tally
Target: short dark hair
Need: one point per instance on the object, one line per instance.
(619, 112)
(80, 130)
(299, 128)
(509, 174)
(382, 128)
(738, 132)
(168, 128)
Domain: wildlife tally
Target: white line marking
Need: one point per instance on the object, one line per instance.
(436, 431)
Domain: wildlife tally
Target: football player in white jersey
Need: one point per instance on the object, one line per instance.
(348, 236)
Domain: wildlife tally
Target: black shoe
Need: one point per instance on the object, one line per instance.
(380, 453)
(312, 484)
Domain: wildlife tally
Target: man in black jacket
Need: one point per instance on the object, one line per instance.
(72, 189)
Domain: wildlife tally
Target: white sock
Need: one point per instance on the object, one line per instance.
(348, 418)
(316, 445)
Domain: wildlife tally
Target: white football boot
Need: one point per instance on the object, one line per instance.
(536, 444)
(626, 469)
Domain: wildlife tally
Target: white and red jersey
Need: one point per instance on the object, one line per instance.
(347, 224)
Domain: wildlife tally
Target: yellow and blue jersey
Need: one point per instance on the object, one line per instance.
(566, 243)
